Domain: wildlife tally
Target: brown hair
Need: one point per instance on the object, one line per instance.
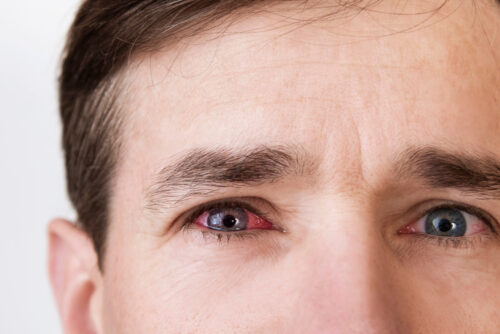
(103, 37)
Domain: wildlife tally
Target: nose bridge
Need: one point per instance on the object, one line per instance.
(346, 281)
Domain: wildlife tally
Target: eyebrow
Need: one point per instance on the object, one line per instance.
(469, 173)
(202, 171)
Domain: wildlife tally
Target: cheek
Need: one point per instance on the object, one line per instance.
(180, 288)
(451, 293)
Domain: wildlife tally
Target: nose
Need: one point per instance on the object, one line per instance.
(347, 278)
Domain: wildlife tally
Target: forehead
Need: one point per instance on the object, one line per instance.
(370, 82)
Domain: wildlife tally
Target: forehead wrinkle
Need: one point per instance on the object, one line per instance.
(188, 100)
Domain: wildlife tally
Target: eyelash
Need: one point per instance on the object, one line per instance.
(447, 242)
(456, 242)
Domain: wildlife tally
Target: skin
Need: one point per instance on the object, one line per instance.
(353, 93)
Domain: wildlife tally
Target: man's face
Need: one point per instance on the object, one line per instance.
(338, 165)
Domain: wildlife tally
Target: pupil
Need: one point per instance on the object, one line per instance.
(229, 221)
(445, 225)
(446, 222)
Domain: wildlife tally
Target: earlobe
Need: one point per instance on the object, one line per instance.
(75, 276)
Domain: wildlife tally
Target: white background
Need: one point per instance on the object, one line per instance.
(32, 188)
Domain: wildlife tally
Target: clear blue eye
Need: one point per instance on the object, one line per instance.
(451, 222)
(446, 223)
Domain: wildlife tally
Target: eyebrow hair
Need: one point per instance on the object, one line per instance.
(201, 171)
(469, 173)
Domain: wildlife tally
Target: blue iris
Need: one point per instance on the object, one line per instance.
(446, 223)
(227, 219)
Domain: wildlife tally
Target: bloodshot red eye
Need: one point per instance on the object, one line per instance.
(232, 219)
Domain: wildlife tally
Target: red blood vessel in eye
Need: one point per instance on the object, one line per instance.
(254, 222)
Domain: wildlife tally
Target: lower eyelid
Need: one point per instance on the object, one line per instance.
(460, 243)
(204, 236)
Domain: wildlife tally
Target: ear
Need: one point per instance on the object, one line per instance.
(75, 277)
